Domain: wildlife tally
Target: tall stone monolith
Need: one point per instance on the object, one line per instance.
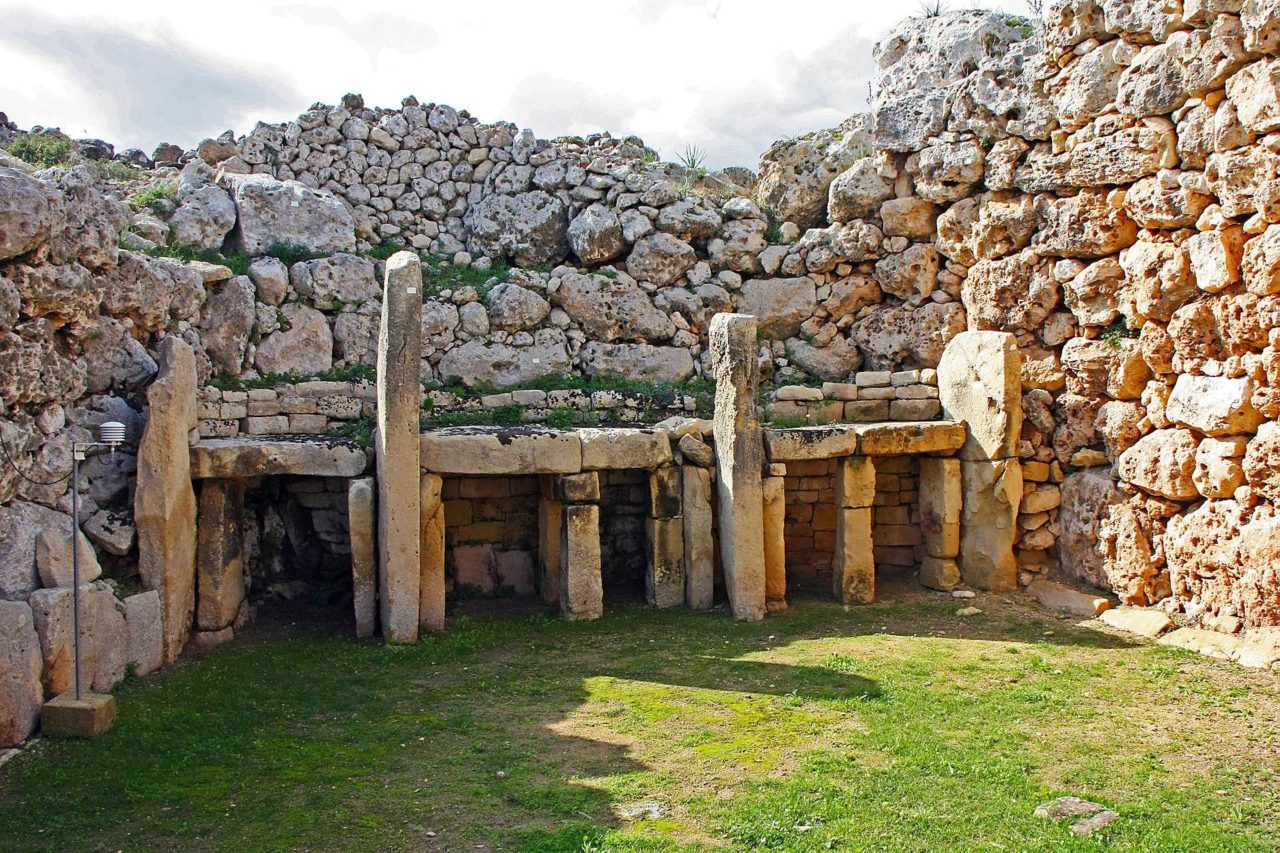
(979, 382)
(739, 460)
(364, 555)
(396, 446)
(164, 503)
(775, 545)
(699, 549)
(220, 554)
(431, 590)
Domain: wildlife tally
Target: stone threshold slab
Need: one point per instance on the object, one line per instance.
(890, 438)
(298, 455)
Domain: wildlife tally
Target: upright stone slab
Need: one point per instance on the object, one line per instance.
(581, 587)
(979, 383)
(941, 496)
(774, 490)
(550, 519)
(164, 503)
(739, 460)
(431, 590)
(20, 668)
(104, 644)
(220, 554)
(664, 580)
(853, 565)
(699, 549)
(144, 626)
(364, 555)
(397, 448)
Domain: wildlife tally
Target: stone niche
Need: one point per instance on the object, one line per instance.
(491, 535)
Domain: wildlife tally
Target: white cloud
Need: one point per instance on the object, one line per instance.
(727, 75)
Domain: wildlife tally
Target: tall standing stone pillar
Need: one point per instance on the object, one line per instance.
(979, 382)
(399, 499)
(853, 565)
(550, 519)
(431, 581)
(219, 555)
(164, 504)
(775, 544)
(364, 555)
(581, 587)
(699, 548)
(664, 537)
(739, 460)
(940, 507)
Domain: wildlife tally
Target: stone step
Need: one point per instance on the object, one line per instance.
(1209, 643)
(1138, 620)
(1055, 596)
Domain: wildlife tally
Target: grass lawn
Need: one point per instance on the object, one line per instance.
(893, 727)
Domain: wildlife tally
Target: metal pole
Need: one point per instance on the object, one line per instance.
(75, 555)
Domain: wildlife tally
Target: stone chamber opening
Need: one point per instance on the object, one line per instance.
(624, 495)
(491, 536)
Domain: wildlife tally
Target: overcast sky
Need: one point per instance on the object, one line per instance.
(727, 75)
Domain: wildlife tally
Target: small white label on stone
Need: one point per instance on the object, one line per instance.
(411, 290)
(537, 361)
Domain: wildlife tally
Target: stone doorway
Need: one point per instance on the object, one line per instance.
(492, 546)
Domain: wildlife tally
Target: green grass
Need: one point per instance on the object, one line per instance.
(237, 262)
(439, 274)
(1117, 332)
(154, 197)
(508, 415)
(893, 727)
(41, 149)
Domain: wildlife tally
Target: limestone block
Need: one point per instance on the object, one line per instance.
(581, 587)
(1255, 93)
(664, 579)
(397, 449)
(815, 442)
(1055, 596)
(739, 460)
(431, 582)
(164, 504)
(1219, 470)
(779, 305)
(142, 616)
(1162, 463)
(699, 548)
(88, 716)
(855, 482)
(941, 495)
(979, 383)
(21, 693)
(103, 639)
(579, 488)
(664, 492)
(1262, 461)
(696, 451)
(364, 555)
(220, 568)
(54, 558)
(503, 451)
(1214, 405)
(853, 565)
(774, 490)
(1138, 620)
(939, 573)
(992, 491)
(909, 437)
(270, 211)
(550, 520)
(239, 458)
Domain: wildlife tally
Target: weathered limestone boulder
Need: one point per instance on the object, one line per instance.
(948, 171)
(21, 693)
(621, 447)
(304, 348)
(1086, 87)
(992, 490)
(1214, 405)
(153, 292)
(1219, 471)
(612, 309)
(1088, 499)
(1224, 556)
(439, 323)
(660, 258)
(1162, 463)
(341, 279)
(689, 218)
(1235, 175)
(838, 360)
(1083, 226)
(529, 228)
(1117, 158)
(912, 217)
(739, 460)
(270, 211)
(1262, 462)
(1215, 258)
(229, 315)
(1255, 93)
(204, 216)
(164, 505)
(512, 308)
(1095, 367)
(144, 625)
(1261, 262)
(1120, 423)
(1093, 294)
(220, 564)
(779, 305)
(364, 554)
(1158, 281)
(1157, 203)
(502, 365)
(20, 524)
(271, 279)
(54, 558)
(1189, 64)
(30, 211)
(987, 227)
(111, 531)
(910, 275)
(508, 451)
(739, 244)
(894, 337)
(796, 174)
(858, 191)
(595, 235)
(979, 383)
(103, 640)
(1015, 293)
(637, 361)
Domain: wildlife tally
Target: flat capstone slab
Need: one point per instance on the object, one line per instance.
(613, 448)
(892, 438)
(297, 455)
(500, 451)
